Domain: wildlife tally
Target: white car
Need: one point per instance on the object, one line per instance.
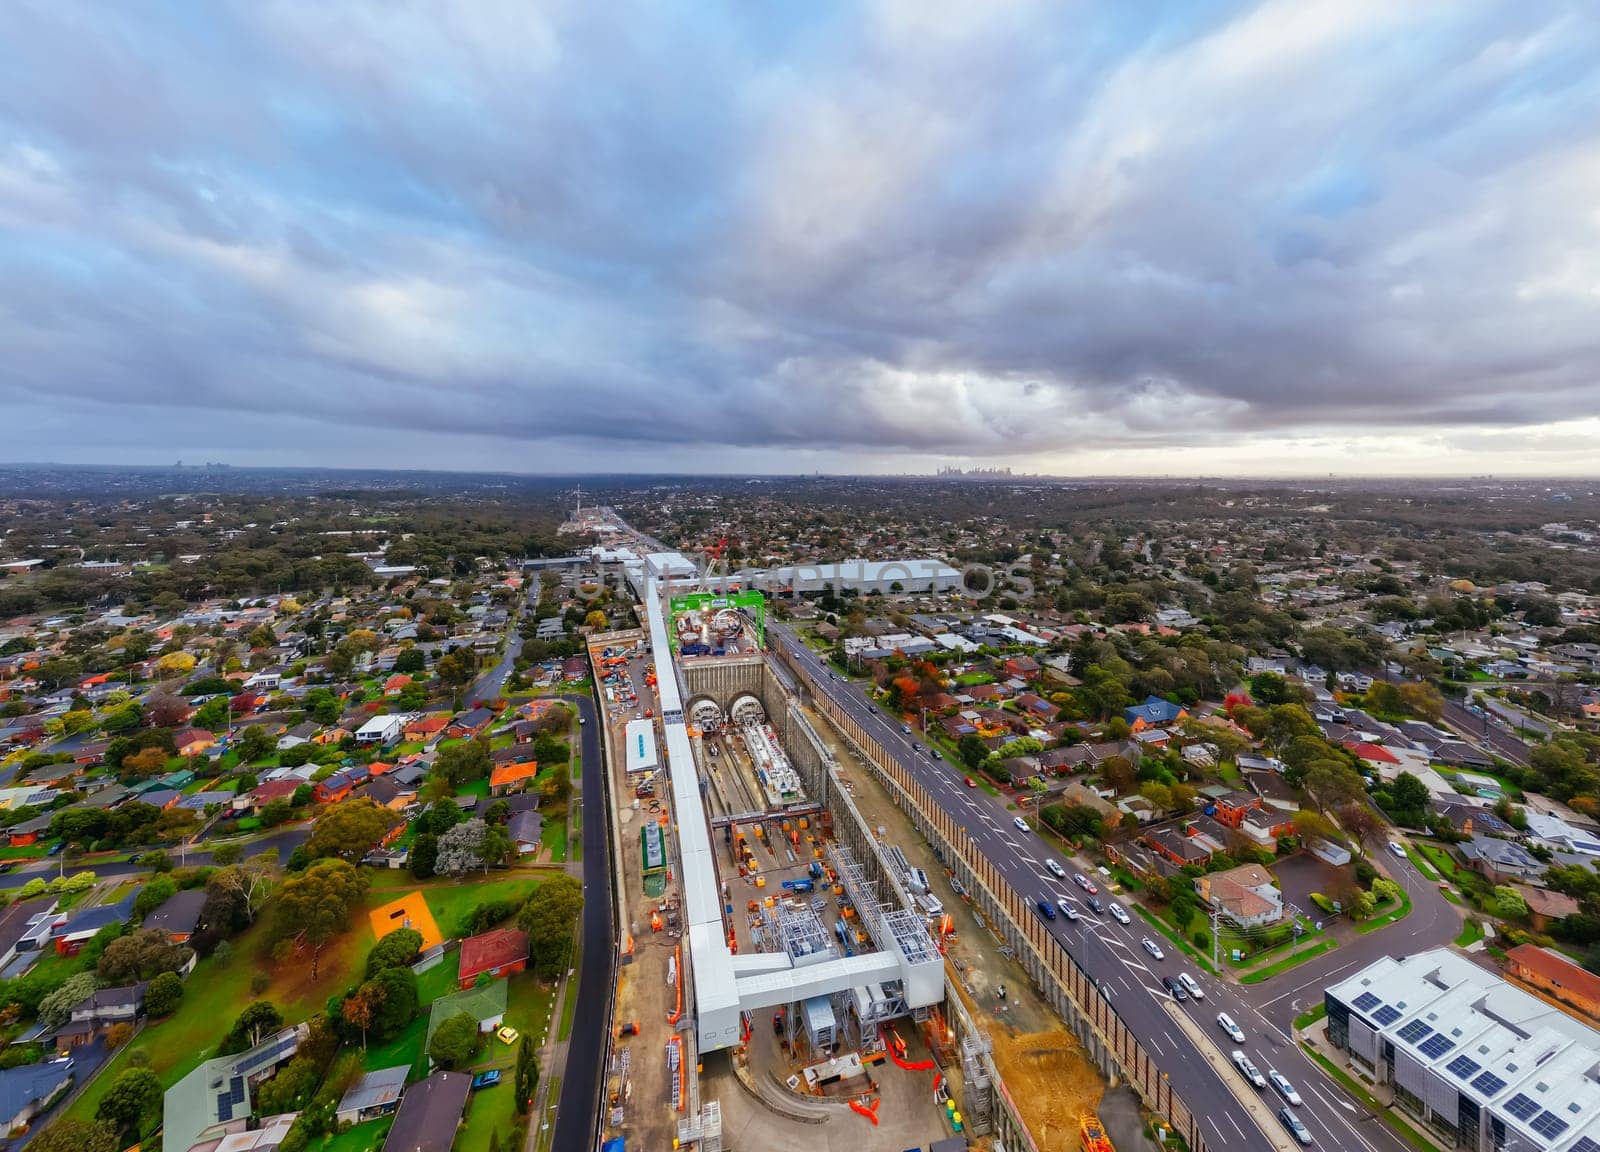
(1056, 869)
(1022, 825)
(1397, 850)
(1191, 986)
(1068, 908)
(1247, 1066)
(1120, 913)
(1299, 1131)
(1235, 1033)
(1284, 1088)
(1153, 948)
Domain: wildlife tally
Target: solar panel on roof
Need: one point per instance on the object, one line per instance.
(1414, 1031)
(1522, 1106)
(1489, 1084)
(1462, 1067)
(1436, 1046)
(1366, 1002)
(1549, 1125)
(1585, 1144)
(1386, 1016)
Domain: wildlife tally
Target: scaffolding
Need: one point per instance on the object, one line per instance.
(978, 1098)
(704, 1128)
(803, 936)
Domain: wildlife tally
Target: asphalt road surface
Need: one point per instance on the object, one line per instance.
(579, 1106)
(1486, 733)
(283, 842)
(1112, 954)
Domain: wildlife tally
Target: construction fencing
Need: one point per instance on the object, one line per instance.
(1010, 914)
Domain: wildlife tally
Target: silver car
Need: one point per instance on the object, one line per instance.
(1248, 1067)
(1296, 1129)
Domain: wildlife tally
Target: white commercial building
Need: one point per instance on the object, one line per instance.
(1478, 1059)
(641, 741)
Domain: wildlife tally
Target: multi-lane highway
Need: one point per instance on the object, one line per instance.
(1112, 955)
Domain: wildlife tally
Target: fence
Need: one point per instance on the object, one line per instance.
(1066, 985)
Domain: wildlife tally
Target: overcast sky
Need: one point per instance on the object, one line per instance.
(1074, 238)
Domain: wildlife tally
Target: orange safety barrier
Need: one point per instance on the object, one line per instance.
(677, 968)
(870, 1113)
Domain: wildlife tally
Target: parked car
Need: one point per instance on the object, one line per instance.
(1120, 913)
(486, 1079)
(1283, 1087)
(1174, 989)
(1192, 985)
(1226, 1023)
(1248, 1067)
(1153, 948)
(1296, 1129)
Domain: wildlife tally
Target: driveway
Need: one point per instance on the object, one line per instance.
(1300, 876)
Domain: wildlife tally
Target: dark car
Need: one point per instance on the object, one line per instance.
(1046, 909)
(1174, 989)
(1095, 906)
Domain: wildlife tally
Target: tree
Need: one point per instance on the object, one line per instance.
(1410, 794)
(496, 847)
(411, 661)
(55, 1008)
(1364, 827)
(462, 848)
(454, 1042)
(349, 830)
(462, 763)
(68, 1134)
(227, 855)
(277, 812)
(358, 1009)
(132, 1097)
(164, 994)
(972, 751)
(397, 949)
(165, 710)
(314, 907)
(1422, 699)
(156, 892)
(557, 786)
(259, 1020)
(1271, 688)
(1314, 826)
(323, 706)
(118, 1034)
(595, 619)
(1119, 774)
(145, 763)
(1333, 784)
(549, 918)
(144, 955)
(1507, 904)
(255, 743)
(424, 857)
(249, 883)
(394, 995)
(527, 1076)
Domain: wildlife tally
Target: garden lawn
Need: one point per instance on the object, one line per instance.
(1300, 957)
(215, 993)
(452, 901)
(406, 1048)
(494, 1109)
(554, 834)
(368, 1137)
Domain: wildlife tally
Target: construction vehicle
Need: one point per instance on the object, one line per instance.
(1093, 1134)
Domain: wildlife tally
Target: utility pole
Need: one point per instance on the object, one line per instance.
(1216, 943)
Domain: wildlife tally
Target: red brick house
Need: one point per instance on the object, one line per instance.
(1232, 807)
(514, 777)
(426, 728)
(469, 725)
(395, 684)
(193, 741)
(499, 953)
(1022, 667)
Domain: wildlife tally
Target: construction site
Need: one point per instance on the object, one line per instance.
(783, 972)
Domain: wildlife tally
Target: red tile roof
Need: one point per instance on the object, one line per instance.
(492, 950)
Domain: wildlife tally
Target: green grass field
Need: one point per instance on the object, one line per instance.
(494, 1109)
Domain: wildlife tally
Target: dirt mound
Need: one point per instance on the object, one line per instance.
(1050, 1081)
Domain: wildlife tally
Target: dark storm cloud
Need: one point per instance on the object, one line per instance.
(902, 228)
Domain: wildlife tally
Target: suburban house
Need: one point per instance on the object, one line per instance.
(396, 684)
(1021, 667)
(381, 729)
(29, 1089)
(339, 786)
(29, 831)
(218, 1094)
(1500, 861)
(515, 777)
(179, 914)
(1232, 805)
(237, 1136)
(426, 727)
(1246, 895)
(499, 953)
(267, 791)
(1555, 976)
(1546, 906)
(1472, 821)
(375, 1094)
(302, 733)
(193, 741)
(22, 924)
(486, 1005)
(430, 1114)
(70, 935)
(1154, 713)
(469, 725)
(99, 1010)
(526, 830)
